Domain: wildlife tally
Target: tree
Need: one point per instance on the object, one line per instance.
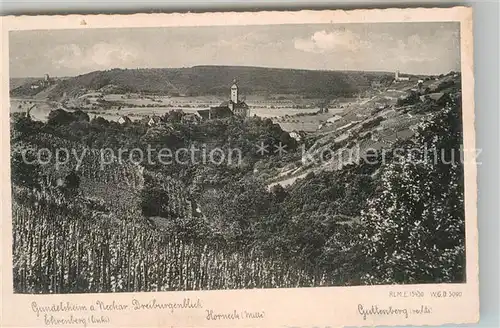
(414, 226)
(24, 174)
(100, 121)
(60, 117)
(154, 202)
(174, 116)
(81, 116)
(71, 184)
(24, 125)
(278, 192)
(410, 99)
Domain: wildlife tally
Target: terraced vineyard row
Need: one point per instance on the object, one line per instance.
(61, 247)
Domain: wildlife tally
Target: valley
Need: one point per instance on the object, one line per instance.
(314, 214)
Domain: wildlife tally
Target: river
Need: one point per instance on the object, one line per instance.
(43, 107)
(41, 110)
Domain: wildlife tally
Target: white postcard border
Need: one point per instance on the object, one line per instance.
(302, 307)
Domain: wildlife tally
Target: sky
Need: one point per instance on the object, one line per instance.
(415, 48)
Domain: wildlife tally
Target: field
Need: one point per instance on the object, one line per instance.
(132, 107)
(270, 93)
(290, 111)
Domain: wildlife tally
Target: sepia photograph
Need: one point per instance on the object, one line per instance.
(237, 157)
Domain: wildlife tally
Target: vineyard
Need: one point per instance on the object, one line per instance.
(67, 248)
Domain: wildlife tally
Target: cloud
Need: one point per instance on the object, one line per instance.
(410, 47)
(416, 50)
(252, 40)
(101, 55)
(339, 40)
(105, 54)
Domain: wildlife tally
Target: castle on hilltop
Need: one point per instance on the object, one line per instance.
(234, 106)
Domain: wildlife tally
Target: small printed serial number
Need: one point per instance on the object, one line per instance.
(444, 293)
(405, 294)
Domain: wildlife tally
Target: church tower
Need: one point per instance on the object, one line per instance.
(234, 92)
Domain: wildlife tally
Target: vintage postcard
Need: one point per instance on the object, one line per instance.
(264, 169)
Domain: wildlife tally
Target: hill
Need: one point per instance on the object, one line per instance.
(389, 116)
(15, 82)
(341, 222)
(214, 80)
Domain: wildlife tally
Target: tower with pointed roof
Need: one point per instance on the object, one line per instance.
(234, 92)
(233, 106)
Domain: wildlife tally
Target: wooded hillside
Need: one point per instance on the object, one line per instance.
(214, 80)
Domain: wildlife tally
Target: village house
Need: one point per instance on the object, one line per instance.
(297, 135)
(124, 120)
(330, 121)
(154, 120)
(333, 119)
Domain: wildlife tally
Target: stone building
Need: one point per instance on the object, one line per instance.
(398, 77)
(237, 106)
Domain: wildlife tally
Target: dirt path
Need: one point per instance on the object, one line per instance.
(287, 182)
